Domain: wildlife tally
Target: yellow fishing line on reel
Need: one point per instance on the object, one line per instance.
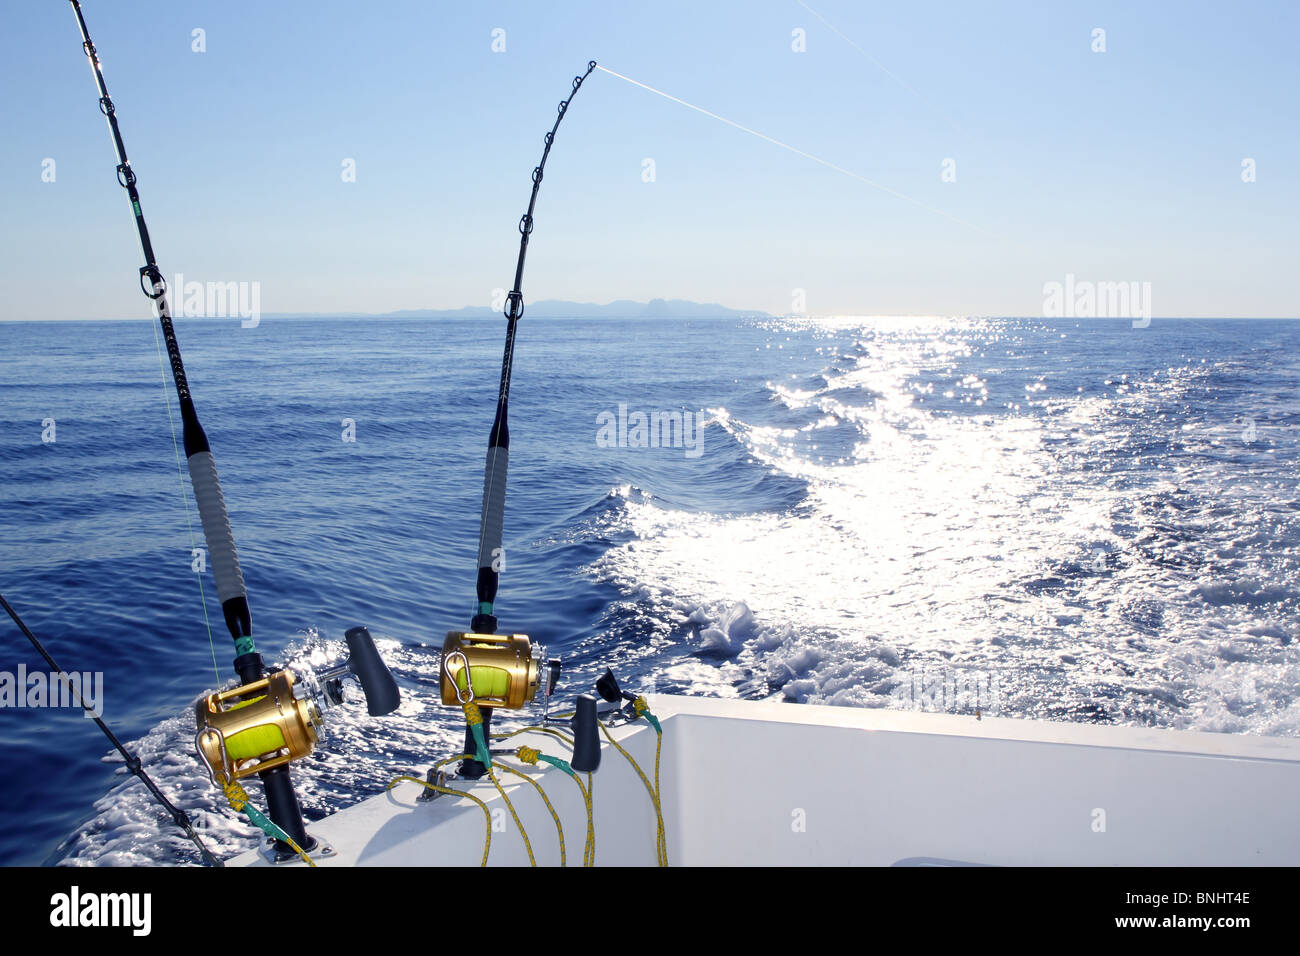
(254, 727)
(502, 670)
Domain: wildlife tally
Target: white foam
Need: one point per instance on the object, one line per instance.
(979, 543)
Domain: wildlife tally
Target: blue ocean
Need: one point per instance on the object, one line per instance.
(1071, 520)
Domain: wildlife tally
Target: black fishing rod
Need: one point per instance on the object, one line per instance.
(281, 800)
(490, 551)
(133, 764)
(494, 479)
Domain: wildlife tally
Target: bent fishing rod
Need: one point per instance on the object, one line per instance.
(491, 554)
(281, 800)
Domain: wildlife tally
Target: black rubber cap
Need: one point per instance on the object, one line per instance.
(250, 667)
(382, 695)
(586, 741)
(607, 687)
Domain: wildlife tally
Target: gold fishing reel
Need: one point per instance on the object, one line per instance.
(483, 672)
(255, 727)
(491, 670)
(279, 718)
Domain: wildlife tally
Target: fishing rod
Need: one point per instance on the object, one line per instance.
(467, 654)
(280, 796)
(490, 552)
(133, 764)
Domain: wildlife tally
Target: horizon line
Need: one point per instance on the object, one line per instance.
(449, 315)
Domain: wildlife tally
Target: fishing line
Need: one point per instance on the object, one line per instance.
(878, 65)
(799, 152)
(185, 501)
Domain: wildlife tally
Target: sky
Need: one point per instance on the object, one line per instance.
(1122, 165)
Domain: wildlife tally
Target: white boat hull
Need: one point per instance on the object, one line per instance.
(770, 784)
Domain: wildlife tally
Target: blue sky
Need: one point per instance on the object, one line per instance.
(1115, 166)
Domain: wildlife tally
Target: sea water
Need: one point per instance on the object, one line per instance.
(1072, 520)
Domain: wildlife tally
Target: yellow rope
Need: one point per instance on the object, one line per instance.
(540, 730)
(487, 814)
(590, 795)
(509, 806)
(527, 844)
(529, 755)
(589, 847)
(661, 841)
(238, 798)
(661, 835)
(532, 861)
(299, 850)
(559, 829)
(663, 832)
(642, 708)
(442, 763)
(236, 794)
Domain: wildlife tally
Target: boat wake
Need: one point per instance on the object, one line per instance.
(983, 537)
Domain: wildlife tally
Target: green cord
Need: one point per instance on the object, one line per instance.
(482, 756)
(264, 823)
(557, 762)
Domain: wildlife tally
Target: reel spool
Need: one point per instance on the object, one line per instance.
(280, 718)
(255, 727)
(502, 670)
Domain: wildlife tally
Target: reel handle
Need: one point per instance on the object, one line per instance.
(377, 681)
(586, 741)
(607, 687)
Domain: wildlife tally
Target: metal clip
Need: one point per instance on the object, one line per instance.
(468, 696)
(227, 771)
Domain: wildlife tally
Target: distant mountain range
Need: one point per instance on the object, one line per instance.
(552, 309)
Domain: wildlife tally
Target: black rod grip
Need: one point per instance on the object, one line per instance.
(282, 804)
(377, 681)
(586, 741)
(471, 769)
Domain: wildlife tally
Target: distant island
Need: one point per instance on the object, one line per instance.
(552, 309)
